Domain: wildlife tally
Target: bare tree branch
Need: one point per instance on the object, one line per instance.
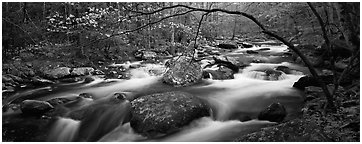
(141, 27)
(197, 33)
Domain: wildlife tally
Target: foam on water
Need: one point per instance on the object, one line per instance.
(243, 96)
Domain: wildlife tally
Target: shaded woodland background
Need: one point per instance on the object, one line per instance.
(29, 25)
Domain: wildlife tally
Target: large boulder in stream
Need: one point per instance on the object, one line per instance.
(183, 71)
(35, 107)
(164, 113)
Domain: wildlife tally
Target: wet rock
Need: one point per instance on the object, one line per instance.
(246, 45)
(164, 113)
(272, 75)
(88, 79)
(82, 71)
(284, 69)
(70, 80)
(35, 107)
(220, 73)
(275, 113)
(183, 71)
(40, 81)
(308, 80)
(305, 81)
(58, 73)
(123, 66)
(227, 46)
(251, 52)
(229, 62)
(297, 130)
(264, 49)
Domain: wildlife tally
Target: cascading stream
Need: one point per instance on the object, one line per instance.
(230, 100)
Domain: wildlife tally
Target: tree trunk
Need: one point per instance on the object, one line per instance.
(234, 29)
(24, 11)
(44, 11)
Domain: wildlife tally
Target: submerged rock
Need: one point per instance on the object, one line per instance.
(35, 107)
(183, 71)
(164, 113)
(275, 113)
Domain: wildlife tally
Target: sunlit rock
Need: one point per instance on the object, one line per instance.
(164, 113)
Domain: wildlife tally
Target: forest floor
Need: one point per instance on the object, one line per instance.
(314, 124)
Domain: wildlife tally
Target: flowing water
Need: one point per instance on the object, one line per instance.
(230, 101)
